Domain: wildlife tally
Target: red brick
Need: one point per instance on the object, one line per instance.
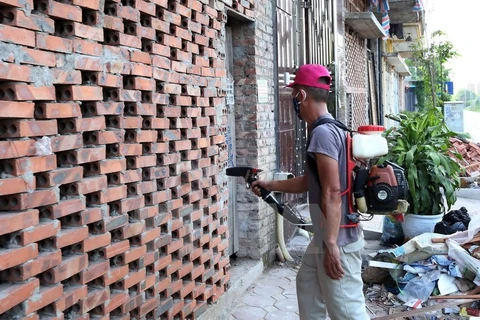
(94, 298)
(67, 142)
(13, 294)
(143, 70)
(29, 128)
(45, 296)
(13, 72)
(16, 185)
(58, 110)
(70, 265)
(96, 241)
(43, 262)
(70, 236)
(66, 207)
(21, 166)
(112, 165)
(17, 35)
(37, 57)
(94, 271)
(130, 149)
(141, 57)
(53, 43)
(83, 93)
(87, 47)
(21, 91)
(113, 194)
(113, 23)
(17, 3)
(13, 257)
(109, 80)
(14, 221)
(71, 295)
(88, 32)
(93, 184)
(115, 301)
(61, 10)
(88, 63)
(32, 21)
(39, 232)
(60, 176)
(66, 77)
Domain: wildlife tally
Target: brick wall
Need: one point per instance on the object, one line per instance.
(356, 79)
(120, 210)
(255, 127)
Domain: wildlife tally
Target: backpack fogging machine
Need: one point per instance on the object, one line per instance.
(371, 189)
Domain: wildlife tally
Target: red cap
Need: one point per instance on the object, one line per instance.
(370, 128)
(309, 75)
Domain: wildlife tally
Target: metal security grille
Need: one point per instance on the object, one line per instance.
(356, 80)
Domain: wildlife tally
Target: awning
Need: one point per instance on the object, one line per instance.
(395, 60)
(365, 24)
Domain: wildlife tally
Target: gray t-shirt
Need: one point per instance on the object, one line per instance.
(329, 140)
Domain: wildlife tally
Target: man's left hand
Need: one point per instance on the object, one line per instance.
(332, 264)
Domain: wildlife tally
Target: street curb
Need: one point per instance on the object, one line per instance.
(473, 194)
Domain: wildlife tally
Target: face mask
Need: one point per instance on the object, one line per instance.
(296, 106)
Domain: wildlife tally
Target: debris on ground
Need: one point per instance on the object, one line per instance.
(471, 155)
(434, 275)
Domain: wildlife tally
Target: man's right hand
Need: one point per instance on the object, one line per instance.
(260, 183)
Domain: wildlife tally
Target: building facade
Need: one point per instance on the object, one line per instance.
(117, 122)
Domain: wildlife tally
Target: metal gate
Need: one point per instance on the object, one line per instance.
(289, 127)
(305, 34)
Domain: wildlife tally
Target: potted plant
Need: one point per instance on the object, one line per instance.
(420, 144)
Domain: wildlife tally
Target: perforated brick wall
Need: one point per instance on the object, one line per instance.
(356, 79)
(112, 204)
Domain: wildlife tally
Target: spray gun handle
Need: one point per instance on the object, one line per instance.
(263, 192)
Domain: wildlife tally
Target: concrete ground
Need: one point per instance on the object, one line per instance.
(273, 295)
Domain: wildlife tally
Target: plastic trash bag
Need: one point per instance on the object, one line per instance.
(464, 260)
(392, 233)
(455, 220)
(422, 287)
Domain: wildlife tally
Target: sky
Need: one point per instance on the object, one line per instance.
(458, 20)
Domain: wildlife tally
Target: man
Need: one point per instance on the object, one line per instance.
(330, 275)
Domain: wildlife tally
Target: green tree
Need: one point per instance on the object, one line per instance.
(430, 62)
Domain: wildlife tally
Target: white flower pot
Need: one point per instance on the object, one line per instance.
(417, 224)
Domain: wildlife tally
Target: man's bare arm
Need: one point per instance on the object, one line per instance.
(294, 185)
(331, 200)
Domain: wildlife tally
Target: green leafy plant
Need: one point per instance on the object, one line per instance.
(421, 145)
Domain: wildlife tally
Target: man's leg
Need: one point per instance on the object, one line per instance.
(345, 299)
(311, 304)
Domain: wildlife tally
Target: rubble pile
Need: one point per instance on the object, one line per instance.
(434, 273)
(471, 156)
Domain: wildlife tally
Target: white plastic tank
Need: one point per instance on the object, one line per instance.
(368, 142)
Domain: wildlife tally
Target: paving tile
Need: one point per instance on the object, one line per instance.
(290, 292)
(287, 305)
(281, 315)
(269, 290)
(249, 313)
(283, 272)
(259, 301)
(270, 309)
(274, 279)
(279, 297)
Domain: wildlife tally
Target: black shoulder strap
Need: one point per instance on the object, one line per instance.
(311, 161)
(322, 121)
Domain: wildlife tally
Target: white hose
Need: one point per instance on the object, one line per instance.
(281, 239)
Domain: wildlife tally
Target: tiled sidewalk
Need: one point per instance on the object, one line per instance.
(272, 298)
